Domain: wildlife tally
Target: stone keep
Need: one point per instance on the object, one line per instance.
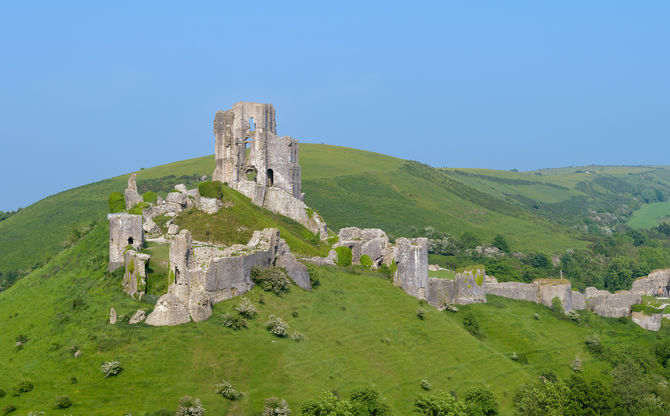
(412, 259)
(271, 162)
(124, 230)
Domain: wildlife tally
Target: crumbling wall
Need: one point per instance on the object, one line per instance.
(131, 195)
(612, 305)
(135, 278)
(655, 284)
(371, 242)
(124, 230)
(541, 291)
(412, 260)
(466, 287)
(649, 322)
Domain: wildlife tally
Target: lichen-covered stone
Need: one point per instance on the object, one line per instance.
(137, 317)
(135, 277)
(412, 260)
(649, 322)
(200, 306)
(131, 195)
(124, 230)
(169, 311)
(295, 270)
(150, 227)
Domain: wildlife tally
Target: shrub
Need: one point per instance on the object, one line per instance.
(22, 339)
(227, 390)
(189, 406)
(211, 189)
(574, 316)
(246, 308)
(537, 316)
(277, 326)
(425, 384)
(450, 308)
(441, 404)
(2, 393)
(63, 402)
(470, 323)
(111, 368)
(576, 365)
(421, 313)
(232, 321)
(314, 273)
(480, 400)
(8, 409)
(593, 344)
(150, 197)
(366, 401)
(271, 279)
(116, 201)
(344, 256)
(297, 336)
(22, 387)
(137, 209)
(276, 407)
(388, 270)
(366, 261)
(557, 307)
(500, 243)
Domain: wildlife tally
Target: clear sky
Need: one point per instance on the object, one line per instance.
(93, 89)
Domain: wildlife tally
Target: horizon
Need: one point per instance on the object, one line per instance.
(516, 86)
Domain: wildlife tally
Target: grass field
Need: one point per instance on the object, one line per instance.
(650, 215)
(359, 328)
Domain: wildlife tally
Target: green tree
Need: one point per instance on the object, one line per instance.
(327, 405)
(469, 240)
(480, 401)
(592, 398)
(619, 274)
(441, 404)
(500, 242)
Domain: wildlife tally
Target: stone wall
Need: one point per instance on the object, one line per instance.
(541, 291)
(131, 195)
(411, 256)
(124, 230)
(135, 278)
(467, 287)
(649, 322)
(371, 242)
(655, 284)
(612, 305)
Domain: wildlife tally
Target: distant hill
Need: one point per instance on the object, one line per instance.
(547, 209)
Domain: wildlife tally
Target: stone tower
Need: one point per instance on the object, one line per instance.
(249, 155)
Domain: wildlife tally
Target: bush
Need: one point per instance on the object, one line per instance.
(63, 402)
(470, 323)
(366, 261)
(593, 344)
(246, 308)
(441, 404)
(297, 336)
(388, 270)
(576, 365)
(425, 384)
(480, 400)
(314, 273)
(227, 390)
(277, 326)
(232, 321)
(2, 393)
(211, 189)
(117, 203)
(344, 256)
(22, 339)
(557, 307)
(111, 368)
(22, 387)
(150, 197)
(500, 243)
(189, 406)
(276, 407)
(271, 279)
(421, 313)
(8, 409)
(138, 208)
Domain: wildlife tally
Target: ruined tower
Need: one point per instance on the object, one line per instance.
(249, 155)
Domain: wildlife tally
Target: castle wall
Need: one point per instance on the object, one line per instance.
(412, 260)
(124, 230)
(462, 290)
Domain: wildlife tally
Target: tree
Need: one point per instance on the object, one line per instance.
(469, 240)
(480, 401)
(500, 242)
(366, 401)
(619, 275)
(591, 399)
(442, 404)
(327, 405)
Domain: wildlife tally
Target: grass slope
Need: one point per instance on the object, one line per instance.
(359, 328)
(650, 215)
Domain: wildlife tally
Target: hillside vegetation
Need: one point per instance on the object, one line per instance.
(359, 330)
(548, 210)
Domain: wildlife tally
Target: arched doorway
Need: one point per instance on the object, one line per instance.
(271, 177)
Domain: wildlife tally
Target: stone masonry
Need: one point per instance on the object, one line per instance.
(124, 230)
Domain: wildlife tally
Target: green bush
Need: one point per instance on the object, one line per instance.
(111, 368)
(480, 401)
(271, 279)
(388, 270)
(276, 407)
(246, 308)
(211, 189)
(470, 323)
(117, 203)
(225, 389)
(366, 261)
(63, 402)
(344, 256)
(2, 393)
(190, 406)
(421, 313)
(150, 197)
(22, 387)
(232, 321)
(557, 307)
(137, 209)
(645, 309)
(277, 326)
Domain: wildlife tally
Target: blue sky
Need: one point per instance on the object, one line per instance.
(91, 90)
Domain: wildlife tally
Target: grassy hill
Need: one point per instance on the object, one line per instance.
(359, 328)
(534, 210)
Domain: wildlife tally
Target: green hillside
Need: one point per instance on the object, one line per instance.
(546, 210)
(650, 215)
(359, 329)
